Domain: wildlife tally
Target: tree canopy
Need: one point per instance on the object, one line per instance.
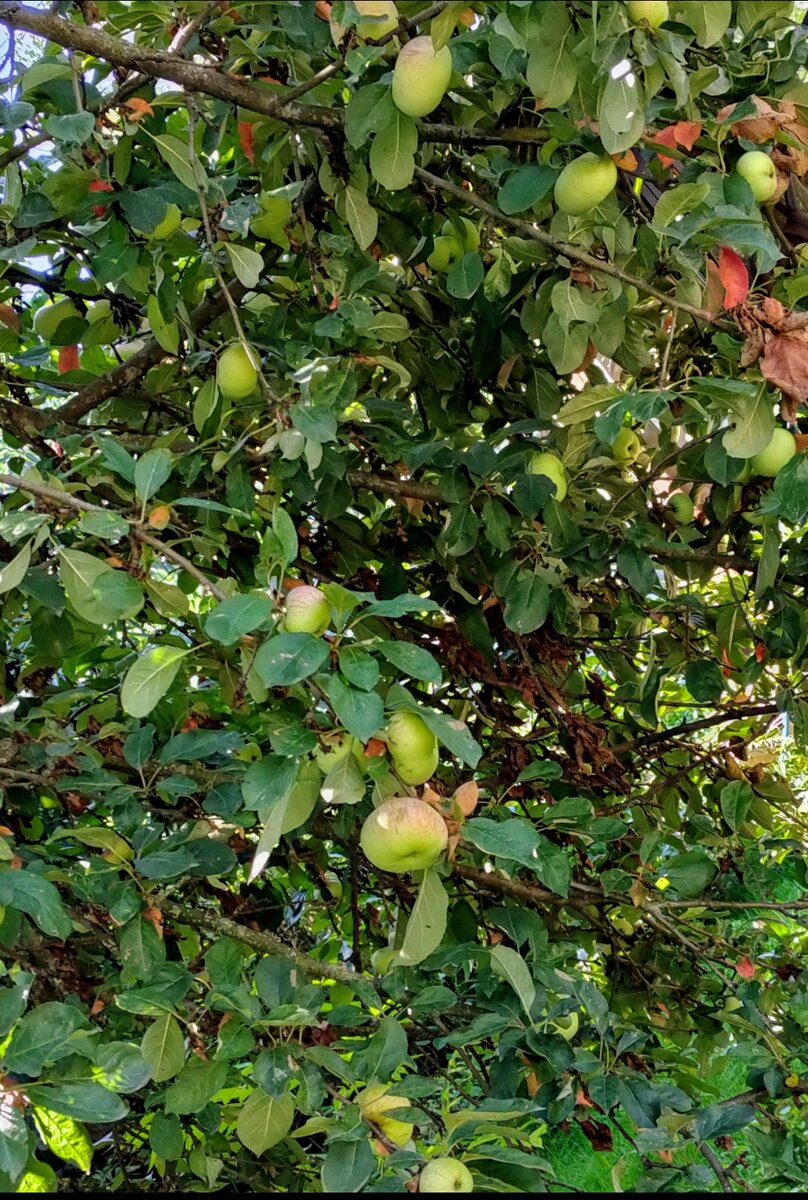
(486, 325)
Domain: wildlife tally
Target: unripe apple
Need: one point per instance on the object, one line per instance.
(103, 328)
(403, 834)
(164, 229)
(759, 172)
(413, 747)
(780, 450)
(445, 1175)
(307, 611)
(626, 447)
(585, 183)
(337, 746)
(421, 77)
(237, 372)
(378, 18)
(680, 508)
(653, 12)
(382, 960)
(471, 234)
(48, 318)
(445, 250)
(375, 1102)
(567, 1026)
(551, 466)
(273, 217)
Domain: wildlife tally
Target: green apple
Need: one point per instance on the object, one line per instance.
(445, 250)
(585, 183)
(680, 508)
(237, 372)
(307, 611)
(337, 746)
(626, 447)
(421, 76)
(653, 12)
(567, 1026)
(103, 328)
(471, 234)
(551, 466)
(375, 1102)
(378, 17)
(445, 1175)
(164, 229)
(48, 318)
(413, 747)
(403, 834)
(759, 172)
(382, 960)
(780, 450)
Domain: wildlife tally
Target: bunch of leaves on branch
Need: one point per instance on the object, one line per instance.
(403, 596)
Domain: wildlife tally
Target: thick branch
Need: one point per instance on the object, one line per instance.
(719, 718)
(263, 941)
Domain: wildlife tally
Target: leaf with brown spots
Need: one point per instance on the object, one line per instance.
(785, 364)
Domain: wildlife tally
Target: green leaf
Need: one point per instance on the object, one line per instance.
(511, 967)
(451, 733)
(413, 660)
(527, 602)
(151, 471)
(566, 344)
(709, 21)
(552, 69)
(392, 155)
(148, 679)
(362, 219)
(514, 839)
(369, 110)
(584, 407)
(736, 800)
(358, 667)
(175, 153)
(525, 187)
(82, 1101)
(37, 1177)
(73, 128)
(347, 1166)
(95, 591)
(361, 712)
(166, 333)
(264, 1120)
(106, 525)
(234, 617)
(691, 873)
(704, 681)
(247, 264)
(14, 572)
(197, 1083)
(42, 1036)
(32, 894)
(163, 1048)
(166, 1137)
(754, 421)
(621, 113)
(683, 198)
(344, 783)
(464, 278)
(427, 923)
(288, 658)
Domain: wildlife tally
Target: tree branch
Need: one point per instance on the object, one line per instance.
(719, 718)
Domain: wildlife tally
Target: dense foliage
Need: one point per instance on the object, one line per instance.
(532, 442)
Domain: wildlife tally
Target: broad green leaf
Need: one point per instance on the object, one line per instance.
(247, 264)
(753, 422)
(163, 1048)
(392, 161)
(709, 21)
(344, 783)
(678, 200)
(37, 1177)
(552, 68)
(197, 1083)
(148, 679)
(511, 967)
(166, 333)
(347, 1166)
(238, 615)
(175, 153)
(690, 873)
(361, 712)
(42, 1036)
(362, 219)
(82, 1101)
(95, 591)
(736, 800)
(527, 602)
(413, 660)
(465, 277)
(14, 572)
(151, 472)
(31, 893)
(288, 658)
(427, 923)
(525, 187)
(264, 1120)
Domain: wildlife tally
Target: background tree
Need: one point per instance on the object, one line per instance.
(486, 325)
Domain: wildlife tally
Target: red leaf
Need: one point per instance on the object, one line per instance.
(666, 137)
(687, 133)
(760, 652)
(733, 274)
(245, 139)
(68, 359)
(727, 668)
(9, 317)
(745, 968)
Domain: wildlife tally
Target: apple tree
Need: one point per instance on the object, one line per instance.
(403, 558)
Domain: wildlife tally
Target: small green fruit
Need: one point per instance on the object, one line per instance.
(471, 234)
(374, 1104)
(780, 450)
(382, 960)
(446, 250)
(551, 466)
(759, 172)
(584, 184)
(378, 17)
(403, 834)
(421, 77)
(446, 1175)
(237, 372)
(653, 12)
(413, 747)
(626, 447)
(567, 1026)
(48, 318)
(103, 328)
(337, 746)
(680, 508)
(307, 611)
